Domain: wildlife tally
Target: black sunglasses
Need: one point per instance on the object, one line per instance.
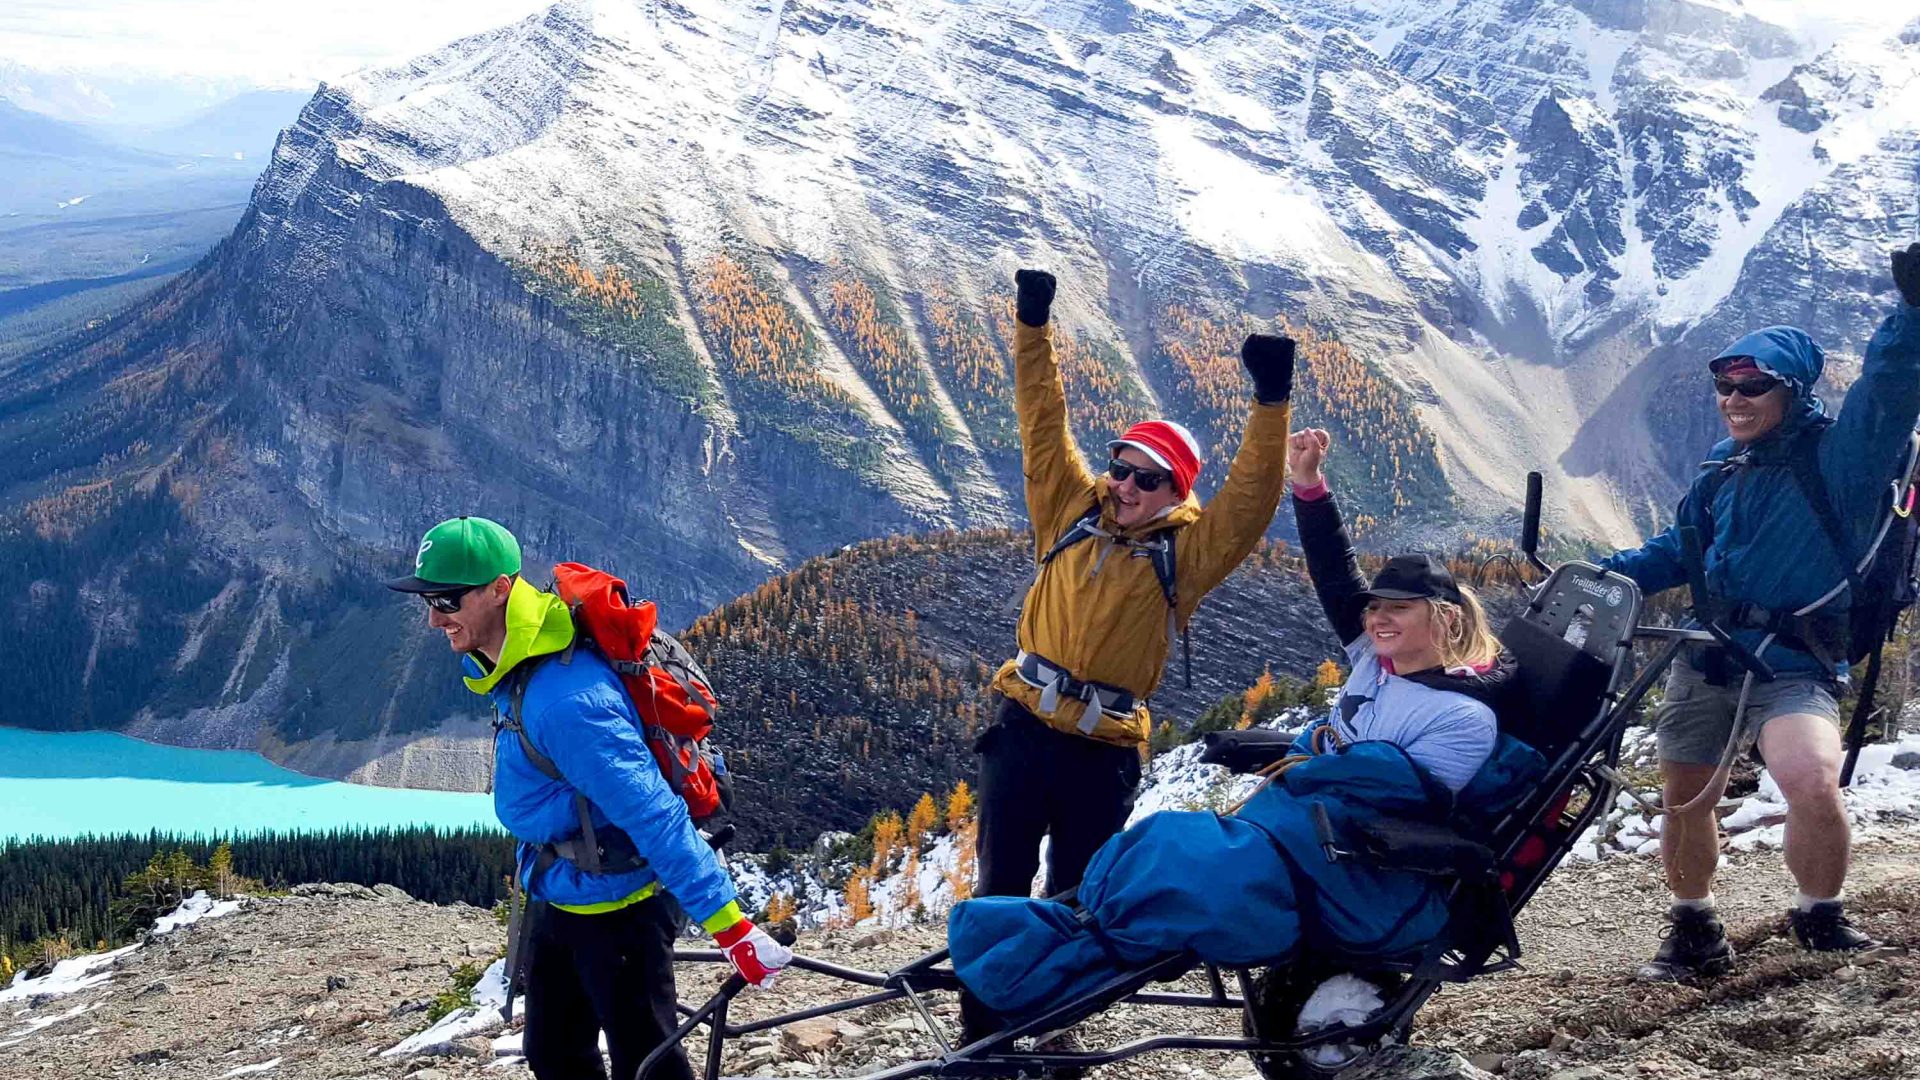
(1143, 478)
(1750, 388)
(448, 602)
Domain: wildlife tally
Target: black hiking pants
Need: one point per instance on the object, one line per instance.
(593, 973)
(1038, 782)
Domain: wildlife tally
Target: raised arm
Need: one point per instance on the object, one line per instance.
(1331, 564)
(1059, 487)
(1238, 514)
(1882, 404)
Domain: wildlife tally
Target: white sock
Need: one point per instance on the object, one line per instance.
(1803, 902)
(1705, 903)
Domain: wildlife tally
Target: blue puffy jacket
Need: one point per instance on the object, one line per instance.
(578, 715)
(1766, 546)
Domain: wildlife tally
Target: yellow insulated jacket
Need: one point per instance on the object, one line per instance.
(1097, 610)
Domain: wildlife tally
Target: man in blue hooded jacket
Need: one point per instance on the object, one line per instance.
(603, 922)
(1767, 557)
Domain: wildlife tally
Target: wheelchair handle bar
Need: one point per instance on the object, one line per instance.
(1530, 525)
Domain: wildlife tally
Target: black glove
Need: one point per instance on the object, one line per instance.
(1906, 274)
(1269, 359)
(1033, 297)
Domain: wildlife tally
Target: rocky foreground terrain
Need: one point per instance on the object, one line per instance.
(320, 985)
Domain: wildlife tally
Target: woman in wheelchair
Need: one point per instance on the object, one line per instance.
(1427, 672)
(1414, 737)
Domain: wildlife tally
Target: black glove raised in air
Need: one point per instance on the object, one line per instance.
(1906, 274)
(1033, 296)
(1269, 359)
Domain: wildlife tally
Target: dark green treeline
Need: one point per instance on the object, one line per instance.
(54, 887)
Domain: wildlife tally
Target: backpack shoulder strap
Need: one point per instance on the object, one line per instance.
(1804, 463)
(515, 722)
(1165, 565)
(1086, 528)
(1710, 490)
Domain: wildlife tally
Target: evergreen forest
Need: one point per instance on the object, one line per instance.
(58, 897)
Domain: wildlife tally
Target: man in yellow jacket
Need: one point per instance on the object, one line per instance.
(1123, 558)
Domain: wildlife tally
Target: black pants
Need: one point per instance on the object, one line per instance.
(594, 973)
(1038, 782)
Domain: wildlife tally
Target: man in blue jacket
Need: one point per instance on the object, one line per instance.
(604, 921)
(1768, 556)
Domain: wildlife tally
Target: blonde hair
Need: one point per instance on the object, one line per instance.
(1461, 632)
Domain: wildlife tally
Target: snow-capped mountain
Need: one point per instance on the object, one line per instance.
(700, 288)
(1502, 205)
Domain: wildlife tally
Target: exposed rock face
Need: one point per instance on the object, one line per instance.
(1572, 166)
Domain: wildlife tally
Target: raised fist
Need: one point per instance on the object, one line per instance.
(1269, 359)
(1033, 296)
(1306, 449)
(1906, 274)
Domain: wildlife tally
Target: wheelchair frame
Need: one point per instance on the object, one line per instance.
(1587, 764)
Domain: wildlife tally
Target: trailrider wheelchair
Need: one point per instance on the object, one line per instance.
(1572, 641)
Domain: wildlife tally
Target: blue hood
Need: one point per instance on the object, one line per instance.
(1787, 353)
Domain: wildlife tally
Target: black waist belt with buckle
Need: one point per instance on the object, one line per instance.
(1056, 683)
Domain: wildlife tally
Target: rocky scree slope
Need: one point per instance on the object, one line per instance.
(698, 291)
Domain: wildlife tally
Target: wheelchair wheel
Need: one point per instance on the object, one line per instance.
(1278, 996)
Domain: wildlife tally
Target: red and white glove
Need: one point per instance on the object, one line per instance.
(755, 955)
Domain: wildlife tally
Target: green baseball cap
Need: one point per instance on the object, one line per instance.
(460, 552)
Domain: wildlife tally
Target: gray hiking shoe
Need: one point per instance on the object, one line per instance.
(1694, 946)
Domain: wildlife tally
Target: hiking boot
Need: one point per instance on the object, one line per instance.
(1825, 928)
(1694, 946)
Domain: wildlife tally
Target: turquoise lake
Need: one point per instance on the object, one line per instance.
(70, 783)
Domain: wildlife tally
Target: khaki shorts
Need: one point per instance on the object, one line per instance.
(1694, 721)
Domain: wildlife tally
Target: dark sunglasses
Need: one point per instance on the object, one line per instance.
(1750, 388)
(447, 603)
(1143, 478)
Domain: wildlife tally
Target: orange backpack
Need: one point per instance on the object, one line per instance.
(675, 703)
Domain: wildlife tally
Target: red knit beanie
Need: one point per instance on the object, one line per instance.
(1168, 445)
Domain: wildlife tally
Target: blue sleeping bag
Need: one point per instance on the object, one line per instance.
(1251, 889)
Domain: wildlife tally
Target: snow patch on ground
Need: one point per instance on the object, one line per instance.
(85, 972)
(67, 976)
(489, 996)
(1882, 794)
(192, 910)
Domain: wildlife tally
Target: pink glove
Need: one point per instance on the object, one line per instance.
(756, 956)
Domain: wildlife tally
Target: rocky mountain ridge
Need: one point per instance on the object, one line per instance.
(700, 290)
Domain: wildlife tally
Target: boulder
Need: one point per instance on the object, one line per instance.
(810, 1036)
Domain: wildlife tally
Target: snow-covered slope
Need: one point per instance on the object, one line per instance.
(1549, 186)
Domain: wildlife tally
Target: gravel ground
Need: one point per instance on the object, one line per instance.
(320, 985)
